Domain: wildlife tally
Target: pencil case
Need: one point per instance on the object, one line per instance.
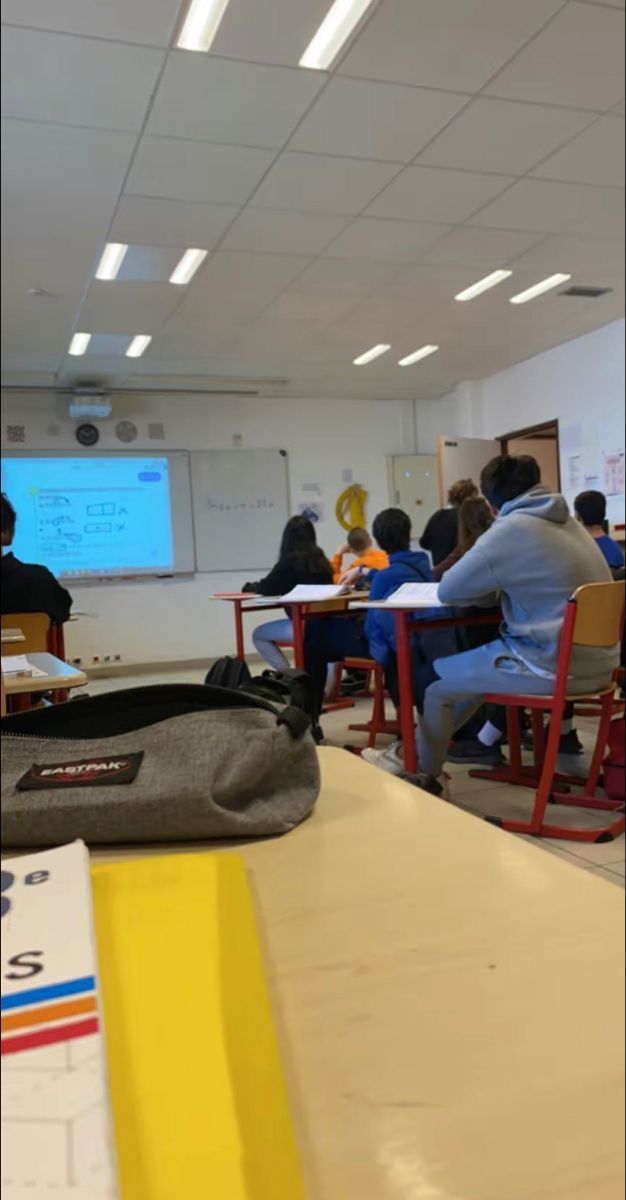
(165, 763)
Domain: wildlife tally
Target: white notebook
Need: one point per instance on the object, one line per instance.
(416, 595)
(313, 592)
(56, 1137)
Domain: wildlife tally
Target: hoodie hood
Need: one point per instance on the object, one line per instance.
(539, 502)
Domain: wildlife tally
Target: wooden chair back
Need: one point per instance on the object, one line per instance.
(599, 614)
(36, 630)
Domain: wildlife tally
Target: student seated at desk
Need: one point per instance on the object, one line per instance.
(442, 531)
(332, 640)
(27, 587)
(534, 558)
(367, 557)
(590, 509)
(300, 560)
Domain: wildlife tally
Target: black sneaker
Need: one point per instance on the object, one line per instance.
(428, 783)
(471, 750)
(570, 743)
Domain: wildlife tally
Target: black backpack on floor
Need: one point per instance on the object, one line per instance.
(290, 687)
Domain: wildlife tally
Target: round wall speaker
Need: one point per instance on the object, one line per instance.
(125, 431)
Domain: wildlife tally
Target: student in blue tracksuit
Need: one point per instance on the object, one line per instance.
(333, 639)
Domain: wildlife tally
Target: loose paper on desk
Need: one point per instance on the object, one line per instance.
(309, 593)
(416, 595)
(19, 664)
(56, 1136)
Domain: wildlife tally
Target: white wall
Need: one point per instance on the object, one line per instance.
(581, 383)
(173, 620)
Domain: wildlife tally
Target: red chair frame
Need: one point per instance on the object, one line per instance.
(547, 752)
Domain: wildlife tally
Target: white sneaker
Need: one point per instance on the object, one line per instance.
(390, 760)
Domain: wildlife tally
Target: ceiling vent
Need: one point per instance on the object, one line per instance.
(587, 293)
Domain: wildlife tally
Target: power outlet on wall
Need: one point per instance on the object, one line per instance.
(77, 662)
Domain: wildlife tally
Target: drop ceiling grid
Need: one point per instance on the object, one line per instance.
(458, 188)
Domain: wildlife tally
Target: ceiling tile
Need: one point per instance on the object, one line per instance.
(595, 156)
(607, 3)
(315, 183)
(402, 241)
(535, 204)
(375, 120)
(141, 220)
(592, 257)
(577, 61)
(480, 248)
(247, 33)
(461, 43)
(195, 171)
(503, 136)
(429, 194)
(60, 184)
(241, 283)
(116, 307)
(76, 81)
(218, 100)
(283, 232)
(150, 22)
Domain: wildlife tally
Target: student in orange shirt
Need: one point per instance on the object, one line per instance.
(368, 558)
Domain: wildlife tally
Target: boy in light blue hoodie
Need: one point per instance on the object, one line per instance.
(532, 560)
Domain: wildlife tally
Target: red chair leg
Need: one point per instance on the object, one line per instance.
(535, 825)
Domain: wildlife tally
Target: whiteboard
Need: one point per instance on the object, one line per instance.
(240, 508)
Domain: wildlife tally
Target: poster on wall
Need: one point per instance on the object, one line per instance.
(614, 472)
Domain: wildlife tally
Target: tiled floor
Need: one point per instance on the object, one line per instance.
(607, 861)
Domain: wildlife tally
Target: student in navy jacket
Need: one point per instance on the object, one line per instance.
(333, 639)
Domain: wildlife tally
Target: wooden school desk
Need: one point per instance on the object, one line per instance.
(59, 676)
(448, 1000)
(406, 625)
(300, 611)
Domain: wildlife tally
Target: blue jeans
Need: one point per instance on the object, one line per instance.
(265, 638)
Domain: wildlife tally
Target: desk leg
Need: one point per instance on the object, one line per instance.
(297, 620)
(405, 690)
(239, 638)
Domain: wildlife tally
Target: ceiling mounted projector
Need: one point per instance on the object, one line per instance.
(89, 404)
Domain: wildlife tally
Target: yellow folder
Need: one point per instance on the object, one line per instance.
(198, 1095)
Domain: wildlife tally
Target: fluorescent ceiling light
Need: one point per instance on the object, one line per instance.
(79, 344)
(375, 352)
(111, 261)
(483, 285)
(419, 354)
(188, 265)
(546, 285)
(201, 24)
(138, 345)
(333, 33)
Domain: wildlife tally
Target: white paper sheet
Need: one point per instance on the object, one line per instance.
(416, 595)
(19, 664)
(310, 593)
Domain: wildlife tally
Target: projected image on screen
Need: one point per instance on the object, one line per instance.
(92, 516)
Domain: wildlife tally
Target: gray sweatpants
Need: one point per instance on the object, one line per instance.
(464, 681)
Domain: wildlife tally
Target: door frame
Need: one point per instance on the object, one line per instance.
(536, 431)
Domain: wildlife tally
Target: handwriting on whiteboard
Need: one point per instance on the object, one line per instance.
(240, 505)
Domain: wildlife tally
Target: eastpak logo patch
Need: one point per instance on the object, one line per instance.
(98, 771)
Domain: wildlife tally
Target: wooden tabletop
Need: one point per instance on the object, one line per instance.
(449, 1001)
(58, 675)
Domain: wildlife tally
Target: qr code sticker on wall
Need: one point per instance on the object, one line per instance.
(16, 433)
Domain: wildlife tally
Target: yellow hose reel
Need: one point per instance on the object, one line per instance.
(350, 507)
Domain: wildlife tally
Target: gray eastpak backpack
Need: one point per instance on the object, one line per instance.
(165, 763)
